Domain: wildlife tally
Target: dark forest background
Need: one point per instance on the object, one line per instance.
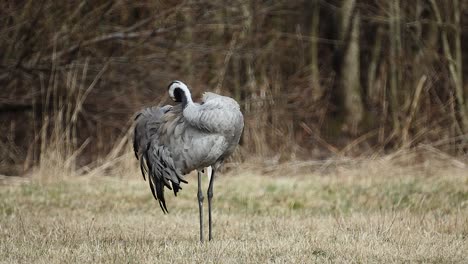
(315, 78)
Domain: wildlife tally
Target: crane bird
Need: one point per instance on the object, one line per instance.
(171, 141)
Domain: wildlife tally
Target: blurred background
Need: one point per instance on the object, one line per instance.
(315, 78)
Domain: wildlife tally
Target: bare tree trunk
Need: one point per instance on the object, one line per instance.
(350, 82)
(413, 88)
(372, 91)
(462, 100)
(314, 68)
(454, 63)
(395, 54)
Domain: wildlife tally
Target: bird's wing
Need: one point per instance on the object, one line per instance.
(189, 146)
(154, 129)
(147, 122)
(155, 159)
(162, 171)
(219, 121)
(215, 114)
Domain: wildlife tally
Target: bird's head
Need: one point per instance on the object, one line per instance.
(179, 92)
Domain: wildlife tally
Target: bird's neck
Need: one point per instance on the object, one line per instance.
(190, 109)
(186, 99)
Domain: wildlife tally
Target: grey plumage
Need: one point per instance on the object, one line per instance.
(171, 141)
(148, 122)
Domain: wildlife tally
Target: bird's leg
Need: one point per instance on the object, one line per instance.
(200, 205)
(210, 195)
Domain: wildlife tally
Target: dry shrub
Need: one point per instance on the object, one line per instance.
(72, 75)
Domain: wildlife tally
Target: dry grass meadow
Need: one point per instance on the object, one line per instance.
(384, 210)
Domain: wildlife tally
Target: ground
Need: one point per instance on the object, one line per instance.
(366, 214)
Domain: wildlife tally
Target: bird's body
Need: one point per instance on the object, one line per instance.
(200, 135)
(171, 141)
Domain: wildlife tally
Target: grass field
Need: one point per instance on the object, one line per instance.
(372, 213)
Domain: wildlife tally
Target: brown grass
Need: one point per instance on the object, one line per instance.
(375, 211)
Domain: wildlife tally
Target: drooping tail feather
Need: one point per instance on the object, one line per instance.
(161, 172)
(155, 160)
(143, 169)
(161, 199)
